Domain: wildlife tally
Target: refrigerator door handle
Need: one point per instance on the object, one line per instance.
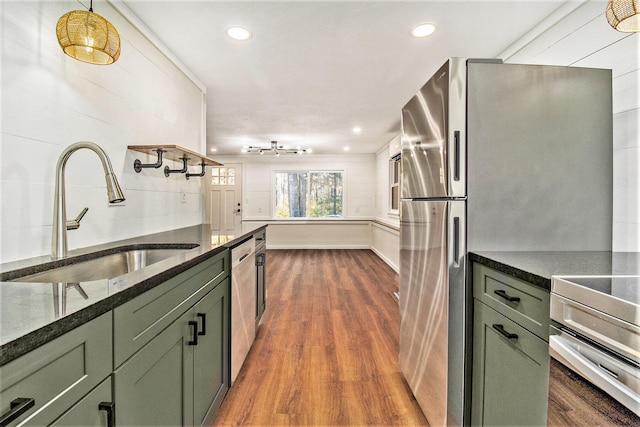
(456, 242)
(456, 153)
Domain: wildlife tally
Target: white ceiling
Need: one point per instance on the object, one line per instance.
(315, 69)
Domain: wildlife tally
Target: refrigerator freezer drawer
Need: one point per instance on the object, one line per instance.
(433, 136)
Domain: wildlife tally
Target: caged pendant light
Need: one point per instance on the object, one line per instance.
(624, 15)
(88, 37)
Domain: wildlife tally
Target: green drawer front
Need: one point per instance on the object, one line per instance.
(59, 373)
(531, 311)
(139, 320)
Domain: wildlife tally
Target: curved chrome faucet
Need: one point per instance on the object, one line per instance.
(60, 224)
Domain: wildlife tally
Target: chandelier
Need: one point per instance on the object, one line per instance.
(624, 15)
(88, 37)
(276, 149)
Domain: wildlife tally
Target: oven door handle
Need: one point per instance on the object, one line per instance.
(561, 349)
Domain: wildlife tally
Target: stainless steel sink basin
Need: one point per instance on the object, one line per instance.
(102, 265)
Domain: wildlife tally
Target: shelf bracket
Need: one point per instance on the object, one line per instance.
(138, 165)
(201, 174)
(168, 171)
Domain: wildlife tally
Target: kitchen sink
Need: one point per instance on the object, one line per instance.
(100, 265)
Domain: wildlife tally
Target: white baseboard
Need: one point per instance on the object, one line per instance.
(294, 246)
(386, 260)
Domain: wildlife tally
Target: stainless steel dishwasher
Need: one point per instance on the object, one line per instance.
(243, 303)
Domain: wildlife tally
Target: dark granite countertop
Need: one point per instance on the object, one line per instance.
(539, 267)
(31, 315)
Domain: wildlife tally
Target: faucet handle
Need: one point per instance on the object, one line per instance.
(75, 223)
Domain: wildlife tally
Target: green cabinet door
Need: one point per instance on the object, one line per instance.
(510, 372)
(155, 386)
(87, 411)
(211, 354)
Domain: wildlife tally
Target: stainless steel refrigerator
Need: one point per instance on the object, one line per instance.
(495, 157)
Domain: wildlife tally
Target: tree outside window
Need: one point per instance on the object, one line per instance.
(309, 194)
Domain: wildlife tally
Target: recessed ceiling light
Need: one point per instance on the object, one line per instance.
(238, 33)
(213, 150)
(346, 148)
(423, 30)
(357, 129)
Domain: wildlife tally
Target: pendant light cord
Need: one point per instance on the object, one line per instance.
(90, 5)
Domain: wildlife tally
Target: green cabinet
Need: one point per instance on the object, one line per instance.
(58, 375)
(92, 410)
(161, 358)
(155, 387)
(510, 374)
(181, 375)
(261, 274)
(211, 354)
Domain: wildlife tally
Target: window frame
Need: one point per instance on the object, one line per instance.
(394, 182)
(308, 172)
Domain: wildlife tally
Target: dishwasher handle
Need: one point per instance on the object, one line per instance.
(560, 349)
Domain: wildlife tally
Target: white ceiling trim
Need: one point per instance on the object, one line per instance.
(550, 21)
(128, 14)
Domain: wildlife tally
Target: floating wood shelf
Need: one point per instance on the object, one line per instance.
(175, 153)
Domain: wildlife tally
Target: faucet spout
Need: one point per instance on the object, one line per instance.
(114, 192)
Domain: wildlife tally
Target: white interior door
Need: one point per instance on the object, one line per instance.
(224, 198)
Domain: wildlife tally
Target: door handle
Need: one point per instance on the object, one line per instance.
(18, 407)
(506, 296)
(500, 328)
(456, 241)
(203, 316)
(110, 409)
(194, 325)
(456, 151)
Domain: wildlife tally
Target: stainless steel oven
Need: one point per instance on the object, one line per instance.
(595, 351)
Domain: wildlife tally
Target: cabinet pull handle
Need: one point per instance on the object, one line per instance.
(203, 316)
(110, 408)
(18, 407)
(506, 296)
(194, 325)
(498, 327)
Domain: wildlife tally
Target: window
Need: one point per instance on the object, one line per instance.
(223, 176)
(394, 184)
(308, 194)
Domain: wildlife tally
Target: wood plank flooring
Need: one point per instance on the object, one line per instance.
(326, 352)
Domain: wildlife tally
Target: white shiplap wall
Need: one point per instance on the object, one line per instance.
(50, 101)
(580, 36)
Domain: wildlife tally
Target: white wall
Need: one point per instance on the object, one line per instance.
(50, 100)
(385, 241)
(359, 200)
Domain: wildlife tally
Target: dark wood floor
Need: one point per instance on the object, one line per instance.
(326, 352)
